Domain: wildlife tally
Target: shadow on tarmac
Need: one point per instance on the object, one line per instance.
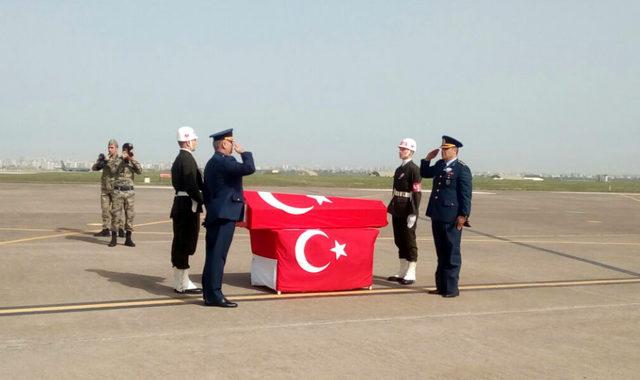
(83, 236)
(557, 253)
(151, 284)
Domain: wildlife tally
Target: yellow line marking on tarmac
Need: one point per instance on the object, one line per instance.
(271, 296)
(26, 229)
(37, 238)
(70, 233)
(153, 223)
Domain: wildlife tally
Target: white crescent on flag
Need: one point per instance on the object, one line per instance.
(274, 202)
(301, 256)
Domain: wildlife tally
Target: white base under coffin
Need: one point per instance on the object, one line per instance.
(264, 271)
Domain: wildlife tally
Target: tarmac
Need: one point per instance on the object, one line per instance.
(550, 288)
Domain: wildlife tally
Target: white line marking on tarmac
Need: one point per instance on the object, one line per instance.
(630, 197)
(424, 191)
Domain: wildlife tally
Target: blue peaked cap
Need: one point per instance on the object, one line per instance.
(450, 142)
(222, 135)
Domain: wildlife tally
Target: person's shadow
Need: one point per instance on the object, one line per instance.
(151, 284)
(82, 235)
(237, 280)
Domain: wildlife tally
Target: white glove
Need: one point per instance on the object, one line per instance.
(194, 205)
(411, 220)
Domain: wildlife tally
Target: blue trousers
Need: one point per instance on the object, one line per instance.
(218, 241)
(447, 241)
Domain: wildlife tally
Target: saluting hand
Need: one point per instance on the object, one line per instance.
(238, 148)
(431, 155)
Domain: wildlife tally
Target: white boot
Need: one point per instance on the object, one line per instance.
(410, 277)
(186, 282)
(177, 280)
(402, 271)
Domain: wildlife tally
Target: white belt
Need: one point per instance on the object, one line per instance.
(182, 194)
(401, 194)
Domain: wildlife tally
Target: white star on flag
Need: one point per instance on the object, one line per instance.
(339, 249)
(320, 199)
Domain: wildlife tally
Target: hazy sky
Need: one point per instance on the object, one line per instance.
(535, 86)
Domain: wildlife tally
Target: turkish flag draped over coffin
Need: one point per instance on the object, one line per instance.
(281, 211)
(307, 260)
(306, 243)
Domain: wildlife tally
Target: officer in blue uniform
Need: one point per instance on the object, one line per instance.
(224, 202)
(449, 208)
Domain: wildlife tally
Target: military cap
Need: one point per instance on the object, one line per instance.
(227, 134)
(112, 142)
(450, 142)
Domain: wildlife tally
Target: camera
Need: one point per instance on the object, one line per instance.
(101, 162)
(128, 147)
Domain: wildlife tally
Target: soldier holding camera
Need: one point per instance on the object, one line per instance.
(106, 186)
(123, 196)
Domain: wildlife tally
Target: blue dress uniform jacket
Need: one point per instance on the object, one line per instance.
(224, 201)
(450, 197)
(223, 195)
(451, 192)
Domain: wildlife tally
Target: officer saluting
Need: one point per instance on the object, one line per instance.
(404, 212)
(185, 212)
(449, 208)
(224, 201)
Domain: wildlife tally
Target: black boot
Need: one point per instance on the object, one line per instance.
(114, 239)
(104, 232)
(127, 241)
(120, 232)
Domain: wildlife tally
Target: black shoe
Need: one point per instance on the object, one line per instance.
(189, 291)
(451, 295)
(394, 278)
(406, 282)
(128, 242)
(221, 303)
(120, 232)
(114, 239)
(104, 232)
(434, 291)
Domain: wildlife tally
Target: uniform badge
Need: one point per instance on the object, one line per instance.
(401, 176)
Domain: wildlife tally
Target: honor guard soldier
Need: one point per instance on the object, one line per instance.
(185, 212)
(407, 192)
(125, 168)
(224, 201)
(449, 208)
(106, 185)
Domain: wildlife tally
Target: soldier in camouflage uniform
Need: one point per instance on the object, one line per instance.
(106, 186)
(125, 168)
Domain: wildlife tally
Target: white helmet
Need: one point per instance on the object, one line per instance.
(186, 134)
(408, 143)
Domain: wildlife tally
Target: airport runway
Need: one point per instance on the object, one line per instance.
(550, 288)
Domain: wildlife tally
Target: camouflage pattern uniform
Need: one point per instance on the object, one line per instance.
(123, 195)
(106, 188)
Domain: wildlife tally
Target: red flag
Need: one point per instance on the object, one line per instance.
(318, 259)
(266, 210)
